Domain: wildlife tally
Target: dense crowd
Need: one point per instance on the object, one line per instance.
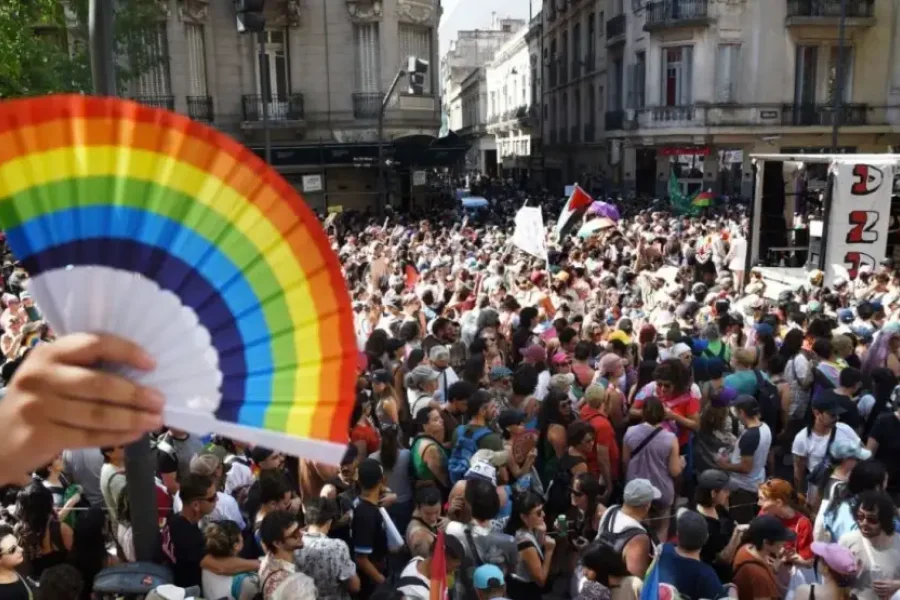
(633, 416)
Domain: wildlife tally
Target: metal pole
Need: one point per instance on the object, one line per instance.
(382, 173)
(838, 99)
(266, 94)
(140, 465)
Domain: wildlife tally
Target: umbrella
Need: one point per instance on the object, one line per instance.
(474, 202)
(604, 209)
(703, 199)
(595, 225)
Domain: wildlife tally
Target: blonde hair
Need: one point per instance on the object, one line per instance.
(745, 357)
(595, 396)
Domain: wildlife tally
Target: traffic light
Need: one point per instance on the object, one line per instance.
(250, 18)
(417, 71)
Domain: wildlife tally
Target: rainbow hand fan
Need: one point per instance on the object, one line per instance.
(141, 223)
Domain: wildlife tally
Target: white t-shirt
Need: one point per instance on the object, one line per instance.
(416, 592)
(226, 510)
(813, 446)
(876, 564)
(239, 475)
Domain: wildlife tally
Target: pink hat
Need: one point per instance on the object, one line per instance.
(609, 362)
(560, 358)
(839, 559)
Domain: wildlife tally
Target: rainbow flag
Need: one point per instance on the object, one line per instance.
(439, 569)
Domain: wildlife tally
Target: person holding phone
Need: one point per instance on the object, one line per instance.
(536, 548)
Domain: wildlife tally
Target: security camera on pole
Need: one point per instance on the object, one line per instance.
(250, 19)
(417, 70)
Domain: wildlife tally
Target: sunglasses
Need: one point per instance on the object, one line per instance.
(575, 492)
(864, 518)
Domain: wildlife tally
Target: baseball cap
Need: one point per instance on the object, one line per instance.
(498, 373)
(488, 577)
(619, 335)
(843, 449)
(828, 402)
(724, 398)
(691, 529)
(639, 492)
(770, 529)
(845, 315)
(839, 559)
(204, 464)
(713, 479)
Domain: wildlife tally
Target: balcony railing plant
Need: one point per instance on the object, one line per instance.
(367, 105)
(615, 27)
(281, 107)
(200, 108)
(856, 9)
(166, 102)
(664, 12)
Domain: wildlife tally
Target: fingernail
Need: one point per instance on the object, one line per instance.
(146, 361)
(154, 399)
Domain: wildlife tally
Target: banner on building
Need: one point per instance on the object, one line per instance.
(529, 235)
(860, 215)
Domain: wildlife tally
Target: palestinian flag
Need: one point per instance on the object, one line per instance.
(578, 202)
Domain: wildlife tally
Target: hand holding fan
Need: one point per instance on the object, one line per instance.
(138, 222)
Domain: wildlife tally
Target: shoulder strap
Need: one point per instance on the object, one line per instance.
(476, 437)
(471, 540)
(831, 440)
(646, 441)
(410, 581)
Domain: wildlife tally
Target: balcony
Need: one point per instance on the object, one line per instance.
(200, 108)
(822, 115)
(615, 30)
(667, 14)
(165, 102)
(367, 105)
(281, 108)
(614, 120)
(860, 13)
(589, 133)
(575, 134)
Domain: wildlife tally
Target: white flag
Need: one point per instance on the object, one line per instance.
(529, 235)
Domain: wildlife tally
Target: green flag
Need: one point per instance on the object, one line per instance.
(681, 204)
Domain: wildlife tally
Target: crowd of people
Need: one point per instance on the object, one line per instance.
(632, 414)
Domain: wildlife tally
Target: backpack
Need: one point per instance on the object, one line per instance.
(465, 448)
(618, 541)
(769, 402)
(558, 491)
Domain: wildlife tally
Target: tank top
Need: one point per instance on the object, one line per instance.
(419, 467)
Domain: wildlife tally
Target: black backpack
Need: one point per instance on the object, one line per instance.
(618, 541)
(769, 403)
(558, 492)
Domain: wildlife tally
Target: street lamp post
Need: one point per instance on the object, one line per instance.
(139, 464)
(382, 183)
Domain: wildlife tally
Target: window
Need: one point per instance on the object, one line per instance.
(196, 60)
(639, 81)
(577, 107)
(618, 7)
(275, 64)
(416, 41)
(368, 57)
(592, 106)
(847, 92)
(615, 85)
(728, 72)
(677, 74)
(601, 25)
(564, 52)
(155, 81)
(493, 103)
(576, 50)
(552, 65)
(590, 42)
(805, 75)
(564, 113)
(524, 89)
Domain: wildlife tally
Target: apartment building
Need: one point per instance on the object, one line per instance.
(574, 62)
(465, 89)
(329, 64)
(699, 85)
(512, 111)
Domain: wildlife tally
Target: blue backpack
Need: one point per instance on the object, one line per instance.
(465, 448)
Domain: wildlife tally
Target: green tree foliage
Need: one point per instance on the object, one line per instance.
(44, 45)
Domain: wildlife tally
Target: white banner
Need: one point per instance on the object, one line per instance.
(860, 214)
(529, 235)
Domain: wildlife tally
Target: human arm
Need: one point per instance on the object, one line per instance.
(390, 408)
(726, 556)
(57, 400)
(556, 434)
(799, 472)
(676, 462)
(228, 565)
(691, 421)
(538, 570)
(637, 555)
(747, 445)
(433, 457)
(605, 469)
(348, 575)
